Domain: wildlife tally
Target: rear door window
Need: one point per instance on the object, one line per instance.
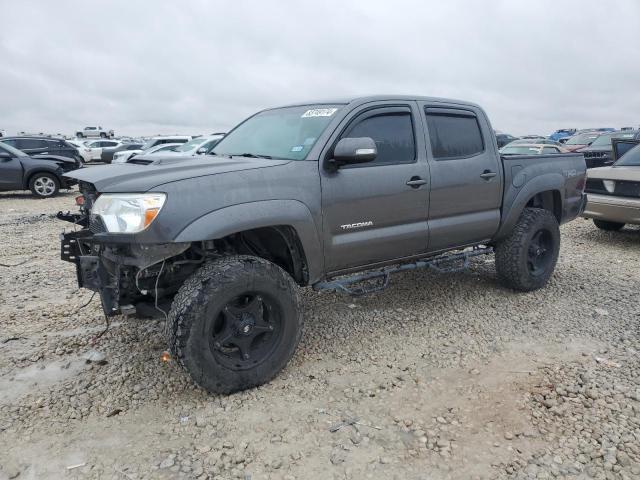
(31, 143)
(453, 134)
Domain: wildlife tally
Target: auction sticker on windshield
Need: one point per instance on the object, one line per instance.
(319, 112)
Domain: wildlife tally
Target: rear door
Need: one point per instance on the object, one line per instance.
(32, 146)
(466, 176)
(370, 213)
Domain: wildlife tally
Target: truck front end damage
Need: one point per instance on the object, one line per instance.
(130, 277)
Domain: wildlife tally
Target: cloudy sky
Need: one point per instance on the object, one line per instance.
(202, 66)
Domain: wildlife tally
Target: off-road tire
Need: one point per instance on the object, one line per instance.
(608, 226)
(512, 261)
(205, 292)
(44, 185)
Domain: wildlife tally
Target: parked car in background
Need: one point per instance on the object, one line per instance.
(128, 155)
(540, 140)
(613, 193)
(2, 133)
(531, 149)
(43, 176)
(96, 147)
(44, 146)
(600, 152)
(83, 150)
(581, 140)
(88, 132)
(504, 139)
(563, 134)
(108, 152)
(197, 146)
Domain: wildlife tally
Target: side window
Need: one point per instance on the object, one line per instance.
(29, 143)
(454, 135)
(547, 150)
(13, 142)
(393, 134)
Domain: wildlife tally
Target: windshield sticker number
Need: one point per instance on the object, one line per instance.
(319, 112)
(297, 148)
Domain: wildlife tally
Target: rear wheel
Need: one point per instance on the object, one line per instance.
(79, 135)
(235, 323)
(609, 226)
(103, 135)
(44, 185)
(526, 259)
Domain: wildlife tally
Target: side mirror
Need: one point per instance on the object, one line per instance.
(5, 156)
(354, 150)
(201, 151)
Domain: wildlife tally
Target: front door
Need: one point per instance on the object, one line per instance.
(377, 211)
(10, 172)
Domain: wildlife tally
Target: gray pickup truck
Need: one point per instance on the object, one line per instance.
(311, 194)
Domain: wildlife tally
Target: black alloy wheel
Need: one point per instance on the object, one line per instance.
(246, 331)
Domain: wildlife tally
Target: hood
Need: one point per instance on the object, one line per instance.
(573, 148)
(55, 158)
(130, 177)
(631, 174)
(602, 148)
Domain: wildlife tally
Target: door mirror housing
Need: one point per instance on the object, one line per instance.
(201, 151)
(350, 151)
(5, 156)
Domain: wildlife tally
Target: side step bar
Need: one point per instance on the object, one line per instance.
(448, 263)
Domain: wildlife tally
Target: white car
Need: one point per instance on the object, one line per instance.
(199, 145)
(95, 148)
(126, 155)
(83, 150)
(99, 132)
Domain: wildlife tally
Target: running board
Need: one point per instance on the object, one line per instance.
(450, 263)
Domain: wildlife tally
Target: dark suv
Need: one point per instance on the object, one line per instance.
(35, 146)
(600, 152)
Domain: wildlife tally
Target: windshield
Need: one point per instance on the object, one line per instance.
(284, 133)
(583, 139)
(190, 145)
(630, 159)
(509, 150)
(13, 151)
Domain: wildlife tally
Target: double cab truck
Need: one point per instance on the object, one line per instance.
(334, 195)
(94, 132)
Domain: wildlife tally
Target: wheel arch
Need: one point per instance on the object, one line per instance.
(545, 191)
(31, 173)
(266, 229)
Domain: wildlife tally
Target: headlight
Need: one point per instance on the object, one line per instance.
(128, 212)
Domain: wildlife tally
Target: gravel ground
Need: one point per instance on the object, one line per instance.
(445, 376)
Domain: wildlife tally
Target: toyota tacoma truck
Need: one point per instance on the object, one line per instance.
(334, 195)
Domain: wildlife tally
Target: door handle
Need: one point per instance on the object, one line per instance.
(488, 175)
(416, 182)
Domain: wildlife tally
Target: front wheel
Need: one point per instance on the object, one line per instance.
(44, 185)
(608, 226)
(235, 323)
(526, 259)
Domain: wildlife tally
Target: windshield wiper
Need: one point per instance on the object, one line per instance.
(251, 155)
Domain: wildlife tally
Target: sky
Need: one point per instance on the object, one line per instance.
(197, 67)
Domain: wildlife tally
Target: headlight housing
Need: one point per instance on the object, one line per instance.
(128, 212)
